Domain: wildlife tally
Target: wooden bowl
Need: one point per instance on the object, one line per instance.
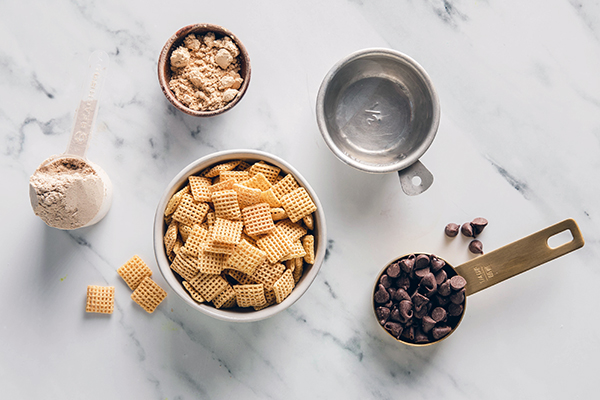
(164, 66)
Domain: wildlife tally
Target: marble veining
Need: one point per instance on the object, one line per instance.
(518, 143)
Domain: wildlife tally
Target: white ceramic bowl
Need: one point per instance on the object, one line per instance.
(238, 314)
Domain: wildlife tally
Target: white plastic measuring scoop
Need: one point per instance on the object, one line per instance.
(68, 191)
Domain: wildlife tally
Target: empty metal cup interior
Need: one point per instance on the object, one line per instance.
(378, 111)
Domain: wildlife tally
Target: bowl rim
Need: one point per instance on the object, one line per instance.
(165, 54)
(411, 158)
(163, 262)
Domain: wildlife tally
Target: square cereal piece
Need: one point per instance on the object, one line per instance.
(175, 199)
(285, 186)
(196, 240)
(217, 169)
(190, 212)
(193, 292)
(170, 236)
(276, 244)
(185, 264)
(209, 285)
(226, 204)
(237, 176)
(267, 196)
(278, 213)
(246, 196)
(298, 204)
(246, 257)
(185, 231)
(284, 286)
(148, 295)
(308, 242)
(226, 231)
(100, 299)
(212, 263)
(199, 187)
(298, 271)
(134, 271)
(297, 251)
(250, 295)
(243, 166)
(309, 222)
(221, 185)
(258, 181)
(269, 171)
(239, 276)
(226, 299)
(293, 230)
(268, 273)
(257, 219)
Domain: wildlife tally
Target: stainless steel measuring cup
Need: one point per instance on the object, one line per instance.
(378, 112)
(498, 265)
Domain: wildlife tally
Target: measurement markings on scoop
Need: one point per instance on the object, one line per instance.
(483, 273)
(374, 115)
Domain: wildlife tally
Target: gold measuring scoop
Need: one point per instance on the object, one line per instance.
(501, 264)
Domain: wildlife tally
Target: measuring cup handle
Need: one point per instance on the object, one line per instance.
(416, 170)
(517, 257)
(85, 116)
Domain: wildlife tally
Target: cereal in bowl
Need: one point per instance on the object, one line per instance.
(238, 246)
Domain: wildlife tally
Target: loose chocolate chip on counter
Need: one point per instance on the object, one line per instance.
(394, 328)
(457, 282)
(467, 229)
(438, 314)
(381, 295)
(478, 225)
(440, 331)
(422, 261)
(476, 247)
(451, 229)
(394, 270)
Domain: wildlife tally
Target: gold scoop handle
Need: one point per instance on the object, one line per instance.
(517, 257)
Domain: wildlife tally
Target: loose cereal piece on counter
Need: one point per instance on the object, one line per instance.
(148, 295)
(100, 299)
(134, 271)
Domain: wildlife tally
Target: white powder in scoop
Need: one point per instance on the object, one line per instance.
(66, 193)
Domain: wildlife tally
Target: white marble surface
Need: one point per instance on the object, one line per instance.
(519, 143)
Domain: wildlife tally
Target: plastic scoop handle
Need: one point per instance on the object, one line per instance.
(85, 116)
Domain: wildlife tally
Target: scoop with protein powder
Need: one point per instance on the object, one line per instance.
(68, 191)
